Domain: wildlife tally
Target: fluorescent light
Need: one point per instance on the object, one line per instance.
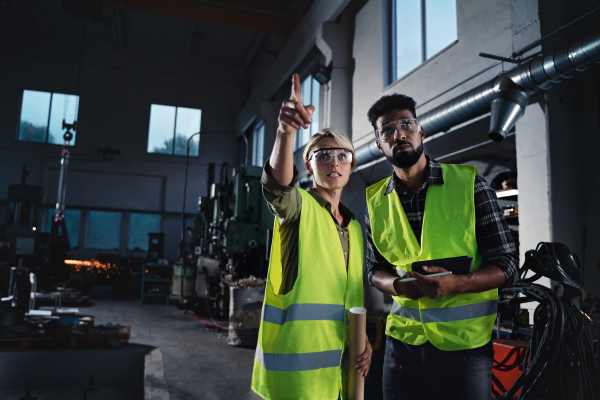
(506, 193)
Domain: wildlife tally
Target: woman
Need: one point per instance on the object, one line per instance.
(315, 272)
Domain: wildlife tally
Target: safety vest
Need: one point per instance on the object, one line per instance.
(304, 332)
(453, 322)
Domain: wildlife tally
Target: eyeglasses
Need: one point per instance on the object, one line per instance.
(409, 125)
(326, 155)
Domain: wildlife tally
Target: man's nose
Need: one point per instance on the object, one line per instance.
(400, 133)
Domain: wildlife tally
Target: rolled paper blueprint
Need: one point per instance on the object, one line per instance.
(357, 334)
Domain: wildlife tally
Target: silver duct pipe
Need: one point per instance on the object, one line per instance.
(506, 95)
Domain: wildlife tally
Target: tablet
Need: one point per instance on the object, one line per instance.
(458, 265)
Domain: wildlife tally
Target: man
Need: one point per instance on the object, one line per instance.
(439, 330)
(315, 269)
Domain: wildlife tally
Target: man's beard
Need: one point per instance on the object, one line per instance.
(405, 159)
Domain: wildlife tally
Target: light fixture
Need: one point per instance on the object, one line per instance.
(506, 193)
(321, 73)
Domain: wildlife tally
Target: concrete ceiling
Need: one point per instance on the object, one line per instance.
(232, 31)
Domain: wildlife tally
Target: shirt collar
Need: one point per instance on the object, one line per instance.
(433, 176)
(345, 211)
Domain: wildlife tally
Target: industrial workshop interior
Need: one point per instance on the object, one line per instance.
(141, 247)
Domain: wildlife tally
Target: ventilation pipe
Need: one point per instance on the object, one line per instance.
(505, 96)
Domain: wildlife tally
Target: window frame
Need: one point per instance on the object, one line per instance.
(390, 42)
(52, 93)
(174, 130)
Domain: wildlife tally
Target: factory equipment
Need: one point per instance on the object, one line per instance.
(231, 232)
(561, 359)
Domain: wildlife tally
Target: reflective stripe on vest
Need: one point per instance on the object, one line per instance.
(298, 362)
(304, 312)
(451, 314)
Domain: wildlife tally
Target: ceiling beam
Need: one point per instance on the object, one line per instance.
(225, 12)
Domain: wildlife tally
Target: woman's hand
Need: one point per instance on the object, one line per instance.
(363, 362)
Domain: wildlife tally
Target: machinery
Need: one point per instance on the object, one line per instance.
(560, 359)
(230, 235)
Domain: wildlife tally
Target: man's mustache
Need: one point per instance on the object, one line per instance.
(401, 143)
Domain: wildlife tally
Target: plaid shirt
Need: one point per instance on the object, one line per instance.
(491, 230)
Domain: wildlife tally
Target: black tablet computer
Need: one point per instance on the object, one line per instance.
(458, 265)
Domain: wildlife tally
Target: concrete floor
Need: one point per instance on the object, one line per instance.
(197, 363)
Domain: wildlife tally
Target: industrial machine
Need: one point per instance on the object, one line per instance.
(230, 235)
(560, 357)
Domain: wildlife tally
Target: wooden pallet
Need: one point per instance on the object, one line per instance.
(70, 341)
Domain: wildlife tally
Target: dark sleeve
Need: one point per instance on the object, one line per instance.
(284, 201)
(375, 261)
(493, 236)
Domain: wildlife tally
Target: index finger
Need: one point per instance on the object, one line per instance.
(296, 88)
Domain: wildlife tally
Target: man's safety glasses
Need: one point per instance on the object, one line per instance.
(409, 125)
(326, 155)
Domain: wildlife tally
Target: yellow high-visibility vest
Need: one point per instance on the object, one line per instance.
(303, 333)
(453, 322)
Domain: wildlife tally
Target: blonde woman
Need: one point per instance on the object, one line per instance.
(315, 272)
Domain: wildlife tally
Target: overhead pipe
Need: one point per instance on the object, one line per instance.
(506, 95)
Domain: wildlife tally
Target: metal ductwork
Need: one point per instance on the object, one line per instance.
(506, 95)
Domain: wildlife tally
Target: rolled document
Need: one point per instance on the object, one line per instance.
(357, 334)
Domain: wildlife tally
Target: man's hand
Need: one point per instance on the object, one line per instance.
(437, 286)
(408, 289)
(363, 362)
(293, 114)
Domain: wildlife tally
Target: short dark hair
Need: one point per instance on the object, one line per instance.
(389, 103)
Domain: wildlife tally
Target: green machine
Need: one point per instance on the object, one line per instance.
(234, 221)
(232, 231)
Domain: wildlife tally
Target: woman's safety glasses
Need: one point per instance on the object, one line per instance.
(326, 155)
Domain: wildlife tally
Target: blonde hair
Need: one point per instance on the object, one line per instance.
(342, 140)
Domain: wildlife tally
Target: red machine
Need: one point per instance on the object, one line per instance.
(509, 356)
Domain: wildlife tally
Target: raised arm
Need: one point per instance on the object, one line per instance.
(292, 116)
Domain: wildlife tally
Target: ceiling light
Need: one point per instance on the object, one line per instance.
(507, 193)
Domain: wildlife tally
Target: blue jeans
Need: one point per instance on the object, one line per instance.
(425, 372)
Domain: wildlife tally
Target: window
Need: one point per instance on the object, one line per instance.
(42, 114)
(170, 129)
(420, 29)
(104, 230)
(258, 144)
(311, 91)
(140, 225)
(72, 220)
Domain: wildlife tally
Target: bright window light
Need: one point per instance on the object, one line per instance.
(42, 114)
(420, 29)
(170, 129)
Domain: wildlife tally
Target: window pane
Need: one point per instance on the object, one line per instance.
(440, 25)
(139, 227)
(60, 102)
(72, 219)
(105, 230)
(407, 20)
(34, 116)
(188, 123)
(160, 134)
(316, 92)
(258, 143)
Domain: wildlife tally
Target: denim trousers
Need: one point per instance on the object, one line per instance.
(425, 372)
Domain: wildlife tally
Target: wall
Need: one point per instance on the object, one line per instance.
(117, 89)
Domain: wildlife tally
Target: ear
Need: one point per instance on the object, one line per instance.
(308, 168)
(422, 134)
(379, 146)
